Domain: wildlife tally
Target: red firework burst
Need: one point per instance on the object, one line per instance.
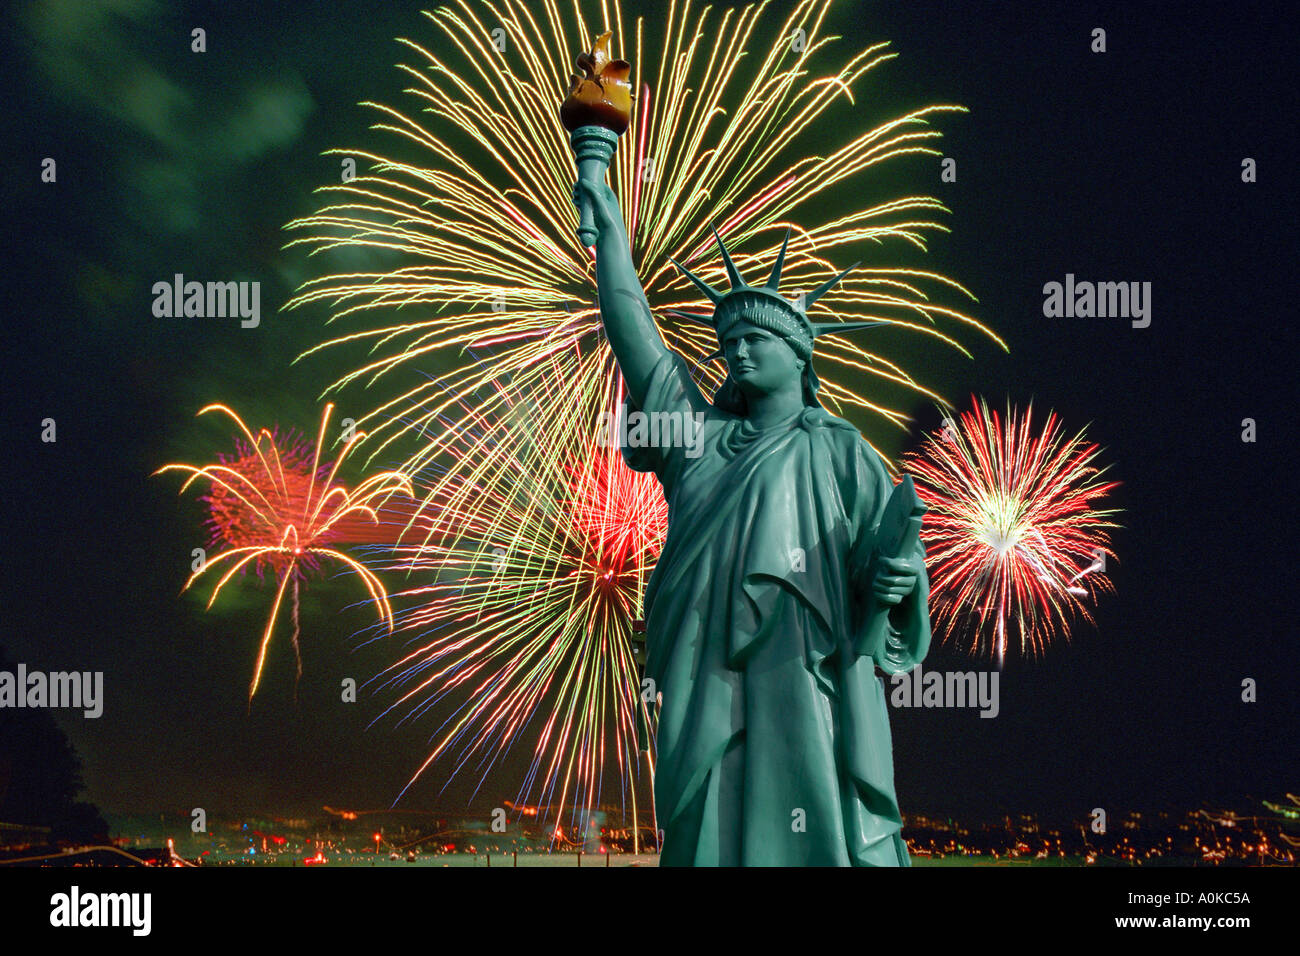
(283, 464)
(1013, 535)
(620, 514)
(273, 505)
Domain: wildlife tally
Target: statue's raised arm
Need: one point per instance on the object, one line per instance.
(596, 111)
(631, 328)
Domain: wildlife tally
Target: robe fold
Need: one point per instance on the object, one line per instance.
(773, 739)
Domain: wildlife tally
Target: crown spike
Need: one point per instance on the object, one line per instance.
(714, 295)
(826, 286)
(732, 273)
(774, 280)
(834, 328)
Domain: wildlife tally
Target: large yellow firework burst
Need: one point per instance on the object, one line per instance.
(487, 276)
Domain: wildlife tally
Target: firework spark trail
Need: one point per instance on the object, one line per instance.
(482, 220)
(274, 506)
(1013, 529)
(533, 555)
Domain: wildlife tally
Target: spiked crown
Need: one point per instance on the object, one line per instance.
(764, 307)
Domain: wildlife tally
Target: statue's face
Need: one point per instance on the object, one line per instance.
(760, 362)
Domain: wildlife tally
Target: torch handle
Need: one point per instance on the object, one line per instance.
(593, 147)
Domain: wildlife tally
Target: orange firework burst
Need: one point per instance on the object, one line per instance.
(274, 505)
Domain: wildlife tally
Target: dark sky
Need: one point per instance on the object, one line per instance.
(1122, 166)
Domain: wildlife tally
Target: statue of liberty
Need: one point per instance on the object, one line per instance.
(792, 567)
(783, 583)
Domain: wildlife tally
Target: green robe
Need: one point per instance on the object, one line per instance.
(773, 739)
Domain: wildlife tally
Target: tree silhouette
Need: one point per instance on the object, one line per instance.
(40, 774)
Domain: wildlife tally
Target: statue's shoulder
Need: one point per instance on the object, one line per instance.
(837, 429)
(852, 451)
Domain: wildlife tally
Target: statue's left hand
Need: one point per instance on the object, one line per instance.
(895, 579)
(604, 205)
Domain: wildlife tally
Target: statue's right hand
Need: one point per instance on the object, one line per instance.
(604, 204)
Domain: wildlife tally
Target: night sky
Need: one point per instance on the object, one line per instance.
(1122, 166)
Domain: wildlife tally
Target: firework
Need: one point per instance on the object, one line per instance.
(534, 561)
(1014, 535)
(274, 507)
(476, 224)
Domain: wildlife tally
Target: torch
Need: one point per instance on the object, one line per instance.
(596, 112)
